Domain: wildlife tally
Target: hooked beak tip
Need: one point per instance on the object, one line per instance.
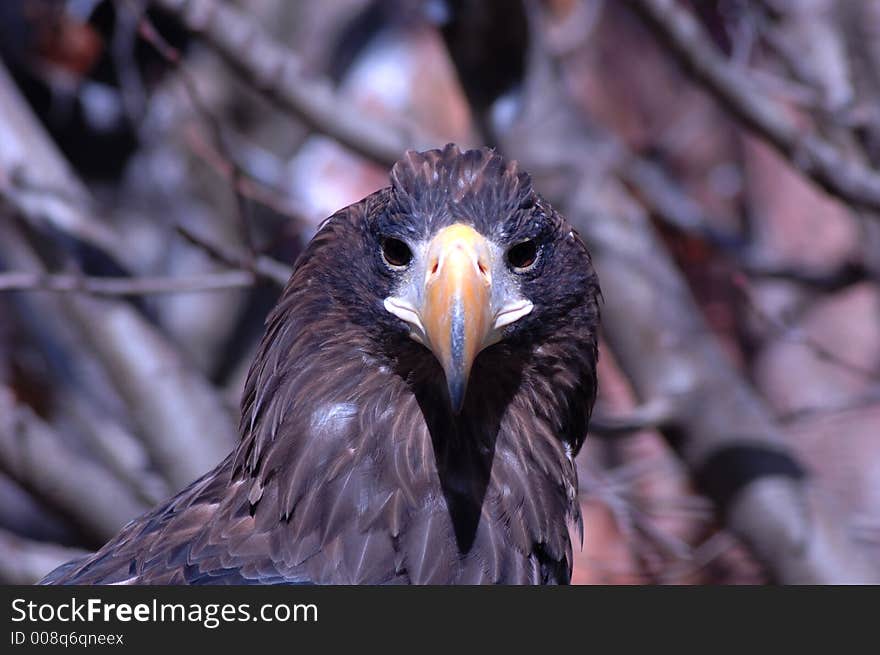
(457, 386)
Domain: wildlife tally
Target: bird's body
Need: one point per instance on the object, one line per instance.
(360, 460)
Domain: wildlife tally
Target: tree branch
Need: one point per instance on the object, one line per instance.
(278, 74)
(186, 426)
(263, 265)
(171, 55)
(30, 163)
(814, 156)
(40, 460)
(652, 415)
(124, 286)
(25, 562)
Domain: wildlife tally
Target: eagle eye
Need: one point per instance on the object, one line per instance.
(522, 256)
(396, 253)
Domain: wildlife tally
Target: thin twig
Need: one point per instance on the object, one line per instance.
(247, 186)
(796, 335)
(149, 33)
(869, 399)
(702, 556)
(652, 415)
(125, 286)
(262, 266)
(841, 277)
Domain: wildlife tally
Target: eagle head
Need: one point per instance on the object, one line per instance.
(461, 255)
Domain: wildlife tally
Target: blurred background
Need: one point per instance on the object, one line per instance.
(163, 163)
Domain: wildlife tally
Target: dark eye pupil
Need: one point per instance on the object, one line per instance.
(396, 252)
(523, 254)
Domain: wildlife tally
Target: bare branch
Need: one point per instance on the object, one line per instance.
(30, 163)
(185, 424)
(113, 444)
(814, 156)
(806, 36)
(701, 557)
(25, 562)
(666, 199)
(797, 335)
(125, 286)
(278, 74)
(654, 415)
(151, 35)
(247, 186)
(843, 276)
(40, 460)
(871, 398)
(263, 266)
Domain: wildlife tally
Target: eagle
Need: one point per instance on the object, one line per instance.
(415, 406)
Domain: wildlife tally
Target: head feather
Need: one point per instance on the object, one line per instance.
(432, 184)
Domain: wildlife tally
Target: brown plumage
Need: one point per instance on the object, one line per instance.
(381, 449)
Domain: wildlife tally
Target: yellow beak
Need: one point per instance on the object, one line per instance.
(456, 311)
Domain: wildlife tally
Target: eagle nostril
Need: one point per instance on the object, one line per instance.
(484, 270)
